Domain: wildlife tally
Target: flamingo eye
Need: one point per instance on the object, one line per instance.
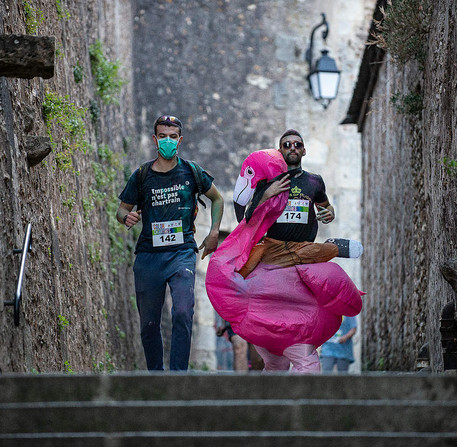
(249, 172)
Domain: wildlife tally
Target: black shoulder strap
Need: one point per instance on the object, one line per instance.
(197, 172)
(140, 178)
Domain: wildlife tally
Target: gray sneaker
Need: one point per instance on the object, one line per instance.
(347, 248)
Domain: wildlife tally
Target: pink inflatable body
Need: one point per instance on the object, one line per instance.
(275, 307)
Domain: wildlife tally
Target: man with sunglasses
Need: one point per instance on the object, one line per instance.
(164, 191)
(290, 240)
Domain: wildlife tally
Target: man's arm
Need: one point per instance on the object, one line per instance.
(126, 216)
(217, 208)
(276, 188)
(326, 212)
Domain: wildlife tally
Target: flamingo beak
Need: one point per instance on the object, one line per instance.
(243, 191)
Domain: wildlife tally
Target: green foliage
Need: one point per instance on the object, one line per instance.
(195, 367)
(78, 72)
(61, 114)
(62, 323)
(70, 200)
(33, 17)
(450, 166)
(68, 368)
(62, 13)
(61, 110)
(120, 332)
(59, 50)
(88, 206)
(410, 104)
(403, 30)
(106, 174)
(102, 366)
(94, 111)
(95, 253)
(109, 364)
(106, 74)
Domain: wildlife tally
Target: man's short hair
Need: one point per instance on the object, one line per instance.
(167, 120)
(290, 132)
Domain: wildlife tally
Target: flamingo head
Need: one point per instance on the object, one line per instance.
(259, 165)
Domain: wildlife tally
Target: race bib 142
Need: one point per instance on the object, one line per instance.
(167, 233)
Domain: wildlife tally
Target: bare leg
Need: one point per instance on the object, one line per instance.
(240, 353)
(256, 362)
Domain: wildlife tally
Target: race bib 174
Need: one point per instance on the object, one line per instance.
(167, 233)
(296, 211)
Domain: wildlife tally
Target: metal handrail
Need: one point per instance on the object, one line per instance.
(26, 247)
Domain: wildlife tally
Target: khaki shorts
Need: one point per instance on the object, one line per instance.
(286, 254)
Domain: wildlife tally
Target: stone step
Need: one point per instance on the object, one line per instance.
(226, 415)
(169, 386)
(231, 439)
(133, 409)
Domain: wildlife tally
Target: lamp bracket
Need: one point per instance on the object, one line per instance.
(309, 51)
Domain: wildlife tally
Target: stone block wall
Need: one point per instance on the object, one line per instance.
(408, 219)
(78, 312)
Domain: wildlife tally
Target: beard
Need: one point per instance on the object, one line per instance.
(293, 159)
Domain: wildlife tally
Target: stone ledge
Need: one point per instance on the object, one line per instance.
(27, 57)
(37, 148)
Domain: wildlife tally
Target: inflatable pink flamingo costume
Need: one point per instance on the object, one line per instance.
(285, 312)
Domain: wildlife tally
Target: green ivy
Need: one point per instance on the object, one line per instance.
(106, 74)
(450, 166)
(95, 253)
(33, 17)
(94, 111)
(120, 332)
(78, 73)
(101, 367)
(68, 368)
(106, 189)
(409, 104)
(62, 13)
(62, 323)
(62, 114)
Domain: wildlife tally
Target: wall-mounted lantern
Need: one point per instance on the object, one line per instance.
(324, 76)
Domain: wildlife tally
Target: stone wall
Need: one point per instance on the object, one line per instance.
(408, 220)
(77, 309)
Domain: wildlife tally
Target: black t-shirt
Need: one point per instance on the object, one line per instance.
(168, 208)
(298, 221)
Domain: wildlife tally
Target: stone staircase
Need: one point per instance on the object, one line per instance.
(138, 409)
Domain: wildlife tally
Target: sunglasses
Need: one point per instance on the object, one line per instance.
(289, 144)
(168, 119)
